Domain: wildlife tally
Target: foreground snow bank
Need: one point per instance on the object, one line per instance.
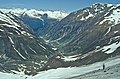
(112, 72)
(62, 73)
(12, 76)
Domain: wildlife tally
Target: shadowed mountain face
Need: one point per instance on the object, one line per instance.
(85, 30)
(39, 24)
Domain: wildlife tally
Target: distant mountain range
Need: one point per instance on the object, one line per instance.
(37, 19)
(33, 40)
(33, 13)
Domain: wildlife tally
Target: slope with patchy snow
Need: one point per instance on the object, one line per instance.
(19, 46)
(71, 72)
(62, 73)
(112, 72)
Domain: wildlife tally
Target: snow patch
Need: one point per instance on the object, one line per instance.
(1, 30)
(108, 30)
(7, 19)
(114, 17)
(12, 26)
(87, 17)
(116, 31)
(111, 48)
(11, 40)
(42, 46)
(70, 58)
(90, 15)
(19, 53)
(33, 50)
(54, 48)
(109, 5)
(25, 33)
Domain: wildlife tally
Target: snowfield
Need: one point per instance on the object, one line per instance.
(12, 76)
(112, 72)
(74, 72)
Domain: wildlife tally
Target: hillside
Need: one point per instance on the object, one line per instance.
(85, 30)
(19, 48)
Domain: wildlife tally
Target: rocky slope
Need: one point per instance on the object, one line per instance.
(87, 29)
(19, 49)
(86, 36)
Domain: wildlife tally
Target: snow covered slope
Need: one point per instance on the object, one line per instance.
(72, 72)
(63, 73)
(112, 72)
(18, 45)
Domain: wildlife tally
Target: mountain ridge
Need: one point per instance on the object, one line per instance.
(20, 49)
(78, 24)
(83, 37)
(38, 20)
(32, 12)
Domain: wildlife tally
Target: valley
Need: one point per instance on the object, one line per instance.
(41, 43)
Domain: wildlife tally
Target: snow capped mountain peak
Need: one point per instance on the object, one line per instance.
(110, 12)
(98, 4)
(35, 13)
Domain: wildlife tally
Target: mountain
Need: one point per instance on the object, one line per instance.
(87, 29)
(20, 50)
(37, 19)
(86, 36)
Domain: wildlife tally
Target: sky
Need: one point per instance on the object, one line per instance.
(62, 5)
